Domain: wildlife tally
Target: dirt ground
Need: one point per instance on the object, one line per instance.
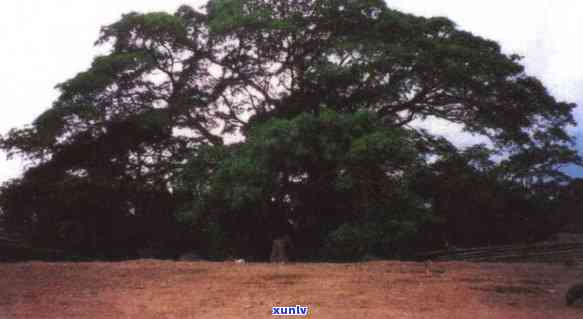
(167, 289)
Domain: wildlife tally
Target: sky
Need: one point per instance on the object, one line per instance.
(47, 42)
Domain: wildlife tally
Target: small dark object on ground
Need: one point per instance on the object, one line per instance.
(371, 257)
(190, 256)
(574, 293)
(149, 252)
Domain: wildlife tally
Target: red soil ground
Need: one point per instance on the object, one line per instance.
(166, 289)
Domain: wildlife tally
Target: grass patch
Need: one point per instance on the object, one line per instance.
(283, 278)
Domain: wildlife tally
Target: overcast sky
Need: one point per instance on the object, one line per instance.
(46, 42)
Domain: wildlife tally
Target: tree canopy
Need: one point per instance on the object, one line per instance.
(249, 113)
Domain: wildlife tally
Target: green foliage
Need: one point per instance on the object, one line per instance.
(323, 93)
(158, 27)
(284, 162)
(349, 242)
(341, 142)
(229, 15)
(387, 230)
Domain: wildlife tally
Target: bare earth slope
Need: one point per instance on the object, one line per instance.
(166, 289)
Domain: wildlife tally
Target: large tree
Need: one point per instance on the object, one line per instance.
(174, 88)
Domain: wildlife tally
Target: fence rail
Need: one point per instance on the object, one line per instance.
(539, 252)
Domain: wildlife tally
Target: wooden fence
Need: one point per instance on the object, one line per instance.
(548, 252)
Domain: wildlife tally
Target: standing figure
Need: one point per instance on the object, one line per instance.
(428, 264)
(280, 250)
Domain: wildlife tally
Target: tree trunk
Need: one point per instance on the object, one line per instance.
(280, 249)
